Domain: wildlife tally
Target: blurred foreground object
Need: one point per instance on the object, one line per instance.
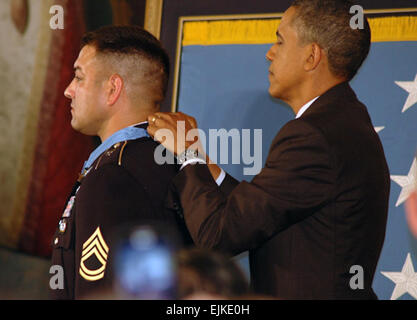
(144, 263)
(205, 274)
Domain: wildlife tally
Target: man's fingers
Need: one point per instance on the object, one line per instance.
(152, 119)
(163, 115)
(170, 121)
(172, 118)
(156, 120)
(164, 128)
(411, 212)
(193, 122)
(151, 130)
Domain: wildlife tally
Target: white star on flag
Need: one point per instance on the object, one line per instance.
(379, 129)
(407, 183)
(411, 88)
(405, 281)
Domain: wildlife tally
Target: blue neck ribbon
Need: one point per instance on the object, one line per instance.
(128, 133)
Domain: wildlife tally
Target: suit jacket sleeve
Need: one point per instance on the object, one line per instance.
(296, 181)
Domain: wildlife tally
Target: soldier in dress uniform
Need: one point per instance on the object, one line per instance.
(120, 78)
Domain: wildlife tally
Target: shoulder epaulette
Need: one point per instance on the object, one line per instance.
(119, 162)
(111, 155)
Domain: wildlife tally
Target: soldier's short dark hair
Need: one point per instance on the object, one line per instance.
(327, 22)
(133, 41)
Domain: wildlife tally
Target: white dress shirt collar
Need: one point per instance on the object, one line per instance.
(305, 107)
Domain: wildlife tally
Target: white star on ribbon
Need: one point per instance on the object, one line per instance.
(411, 88)
(405, 281)
(379, 129)
(407, 183)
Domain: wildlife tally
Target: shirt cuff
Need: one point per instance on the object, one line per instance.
(195, 160)
(221, 177)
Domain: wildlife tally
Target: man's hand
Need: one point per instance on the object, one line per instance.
(411, 209)
(182, 129)
(176, 125)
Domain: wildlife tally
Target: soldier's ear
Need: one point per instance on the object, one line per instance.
(115, 87)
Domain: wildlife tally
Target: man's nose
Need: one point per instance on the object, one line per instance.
(271, 53)
(69, 92)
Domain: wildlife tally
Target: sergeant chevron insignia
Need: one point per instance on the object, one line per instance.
(95, 245)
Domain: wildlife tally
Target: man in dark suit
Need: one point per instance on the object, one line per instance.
(316, 213)
(120, 78)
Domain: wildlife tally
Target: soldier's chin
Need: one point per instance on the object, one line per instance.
(74, 125)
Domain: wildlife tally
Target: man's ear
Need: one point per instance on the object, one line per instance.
(115, 86)
(314, 56)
